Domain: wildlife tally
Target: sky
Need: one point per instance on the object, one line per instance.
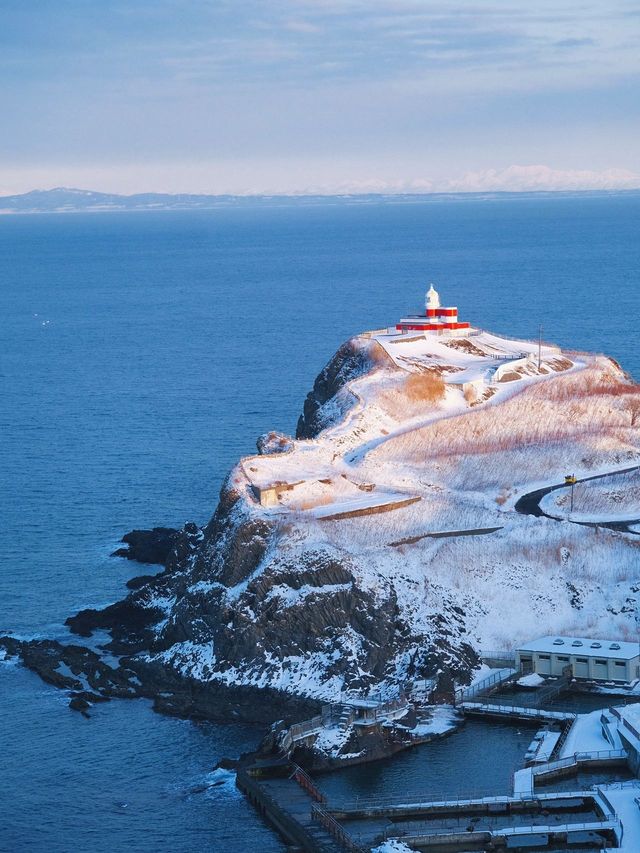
(313, 96)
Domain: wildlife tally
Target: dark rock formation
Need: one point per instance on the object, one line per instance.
(148, 546)
(243, 617)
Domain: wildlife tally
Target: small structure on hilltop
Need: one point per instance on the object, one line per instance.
(596, 660)
(435, 319)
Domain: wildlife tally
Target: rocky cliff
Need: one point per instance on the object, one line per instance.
(383, 544)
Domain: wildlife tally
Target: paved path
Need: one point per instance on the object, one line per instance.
(529, 504)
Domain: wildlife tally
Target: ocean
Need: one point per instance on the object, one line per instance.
(142, 354)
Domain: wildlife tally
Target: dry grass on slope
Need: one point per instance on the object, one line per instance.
(424, 387)
(594, 408)
(407, 395)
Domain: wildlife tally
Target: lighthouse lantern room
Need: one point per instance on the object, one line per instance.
(435, 318)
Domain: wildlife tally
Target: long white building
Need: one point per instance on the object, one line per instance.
(601, 660)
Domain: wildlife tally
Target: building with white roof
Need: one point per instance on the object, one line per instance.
(599, 660)
(435, 318)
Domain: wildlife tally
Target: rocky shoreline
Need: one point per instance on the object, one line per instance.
(89, 679)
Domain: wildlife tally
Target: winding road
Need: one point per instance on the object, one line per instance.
(529, 504)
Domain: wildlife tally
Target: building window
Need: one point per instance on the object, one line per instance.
(563, 658)
(601, 662)
(620, 663)
(581, 660)
(544, 657)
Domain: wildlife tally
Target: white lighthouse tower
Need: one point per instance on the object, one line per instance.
(432, 301)
(442, 321)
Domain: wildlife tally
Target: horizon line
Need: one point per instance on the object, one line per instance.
(329, 194)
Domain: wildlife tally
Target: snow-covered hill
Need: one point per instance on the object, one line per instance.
(382, 544)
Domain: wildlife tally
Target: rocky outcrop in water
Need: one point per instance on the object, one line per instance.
(148, 546)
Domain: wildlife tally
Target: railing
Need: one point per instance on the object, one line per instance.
(518, 710)
(625, 722)
(553, 688)
(576, 759)
(293, 831)
(460, 800)
(424, 685)
(510, 357)
(306, 782)
(564, 734)
(498, 654)
(535, 342)
(335, 829)
(494, 680)
(608, 823)
(331, 713)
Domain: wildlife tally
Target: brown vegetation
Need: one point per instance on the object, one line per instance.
(465, 345)
(424, 387)
(470, 394)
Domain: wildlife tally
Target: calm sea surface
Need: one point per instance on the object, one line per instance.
(141, 354)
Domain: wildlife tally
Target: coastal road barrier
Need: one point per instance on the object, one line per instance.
(444, 534)
(546, 345)
(529, 503)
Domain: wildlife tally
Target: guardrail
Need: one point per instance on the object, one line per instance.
(534, 343)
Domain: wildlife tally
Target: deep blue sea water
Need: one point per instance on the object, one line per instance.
(141, 354)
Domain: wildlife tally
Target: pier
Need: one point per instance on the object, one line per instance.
(469, 824)
(533, 816)
(289, 799)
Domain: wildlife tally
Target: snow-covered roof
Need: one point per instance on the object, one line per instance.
(584, 647)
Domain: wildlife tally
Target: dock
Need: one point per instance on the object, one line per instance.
(284, 796)
(529, 817)
(467, 824)
(514, 712)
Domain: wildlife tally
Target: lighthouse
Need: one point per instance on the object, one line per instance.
(435, 318)
(432, 301)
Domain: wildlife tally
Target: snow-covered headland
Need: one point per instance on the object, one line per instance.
(382, 544)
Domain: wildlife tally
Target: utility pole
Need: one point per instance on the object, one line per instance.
(637, 635)
(539, 347)
(571, 480)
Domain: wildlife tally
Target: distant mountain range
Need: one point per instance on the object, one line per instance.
(69, 200)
